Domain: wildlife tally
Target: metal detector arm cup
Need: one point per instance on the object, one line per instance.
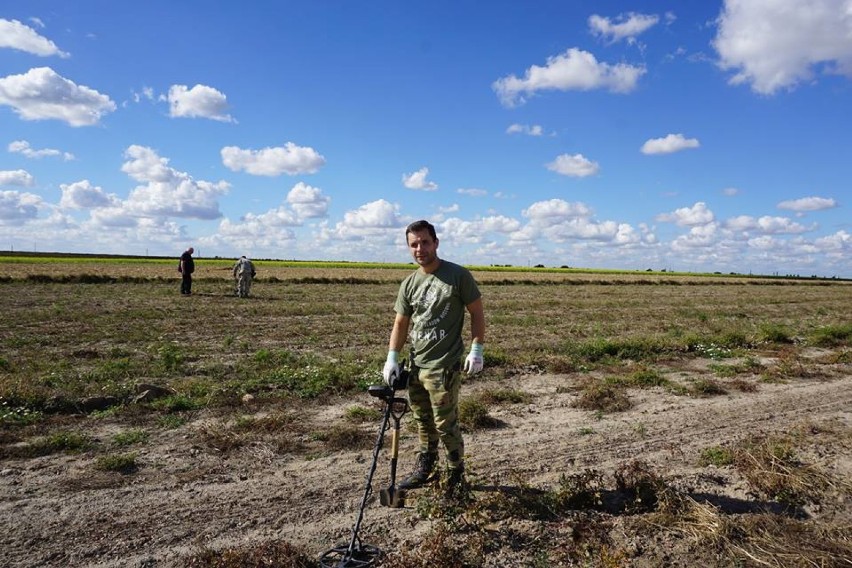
(382, 392)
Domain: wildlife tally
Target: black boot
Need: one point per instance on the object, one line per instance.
(424, 472)
(456, 486)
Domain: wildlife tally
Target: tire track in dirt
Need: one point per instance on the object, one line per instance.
(661, 427)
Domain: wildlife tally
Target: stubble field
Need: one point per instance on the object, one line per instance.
(622, 420)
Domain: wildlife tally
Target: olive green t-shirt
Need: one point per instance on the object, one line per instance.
(436, 305)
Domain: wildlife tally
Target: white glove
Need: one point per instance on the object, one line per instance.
(474, 362)
(391, 369)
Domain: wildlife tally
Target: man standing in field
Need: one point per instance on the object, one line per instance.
(186, 267)
(432, 303)
(243, 275)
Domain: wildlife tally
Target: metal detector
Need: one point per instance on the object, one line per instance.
(357, 554)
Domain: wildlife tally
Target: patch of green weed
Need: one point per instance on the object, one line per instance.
(65, 442)
(831, 335)
(360, 414)
(171, 421)
(707, 387)
(130, 437)
(646, 378)
(775, 333)
(504, 396)
(121, 463)
(716, 455)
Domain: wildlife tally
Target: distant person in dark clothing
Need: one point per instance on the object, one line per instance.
(186, 267)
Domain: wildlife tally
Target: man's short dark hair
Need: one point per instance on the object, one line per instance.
(421, 225)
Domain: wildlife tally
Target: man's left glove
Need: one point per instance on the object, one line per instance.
(474, 362)
(391, 369)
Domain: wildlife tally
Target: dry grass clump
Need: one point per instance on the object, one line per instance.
(776, 540)
(771, 465)
(707, 387)
(638, 486)
(520, 500)
(703, 523)
(742, 385)
(603, 397)
(284, 431)
(762, 539)
(474, 415)
(345, 437)
(358, 414)
(443, 547)
(275, 423)
(790, 365)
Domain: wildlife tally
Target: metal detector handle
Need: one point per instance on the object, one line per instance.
(398, 408)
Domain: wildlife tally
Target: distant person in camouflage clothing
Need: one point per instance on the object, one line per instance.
(430, 310)
(243, 275)
(186, 267)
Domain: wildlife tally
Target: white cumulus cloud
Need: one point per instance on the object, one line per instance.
(417, 180)
(669, 144)
(700, 236)
(200, 101)
(472, 191)
(42, 94)
(167, 192)
(766, 224)
(778, 44)
(698, 214)
(15, 35)
(574, 70)
(21, 178)
(378, 214)
(574, 166)
(288, 159)
(625, 26)
(17, 207)
(84, 195)
(23, 147)
(308, 201)
(808, 204)
(529, 130)
(555, 211)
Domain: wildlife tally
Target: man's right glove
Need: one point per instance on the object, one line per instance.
(391, 369)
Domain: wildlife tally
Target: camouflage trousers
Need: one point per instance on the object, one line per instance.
(242, 284)
(434, 398)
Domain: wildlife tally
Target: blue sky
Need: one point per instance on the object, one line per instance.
(687, 136)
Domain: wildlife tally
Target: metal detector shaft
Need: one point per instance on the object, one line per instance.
(369, 487)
